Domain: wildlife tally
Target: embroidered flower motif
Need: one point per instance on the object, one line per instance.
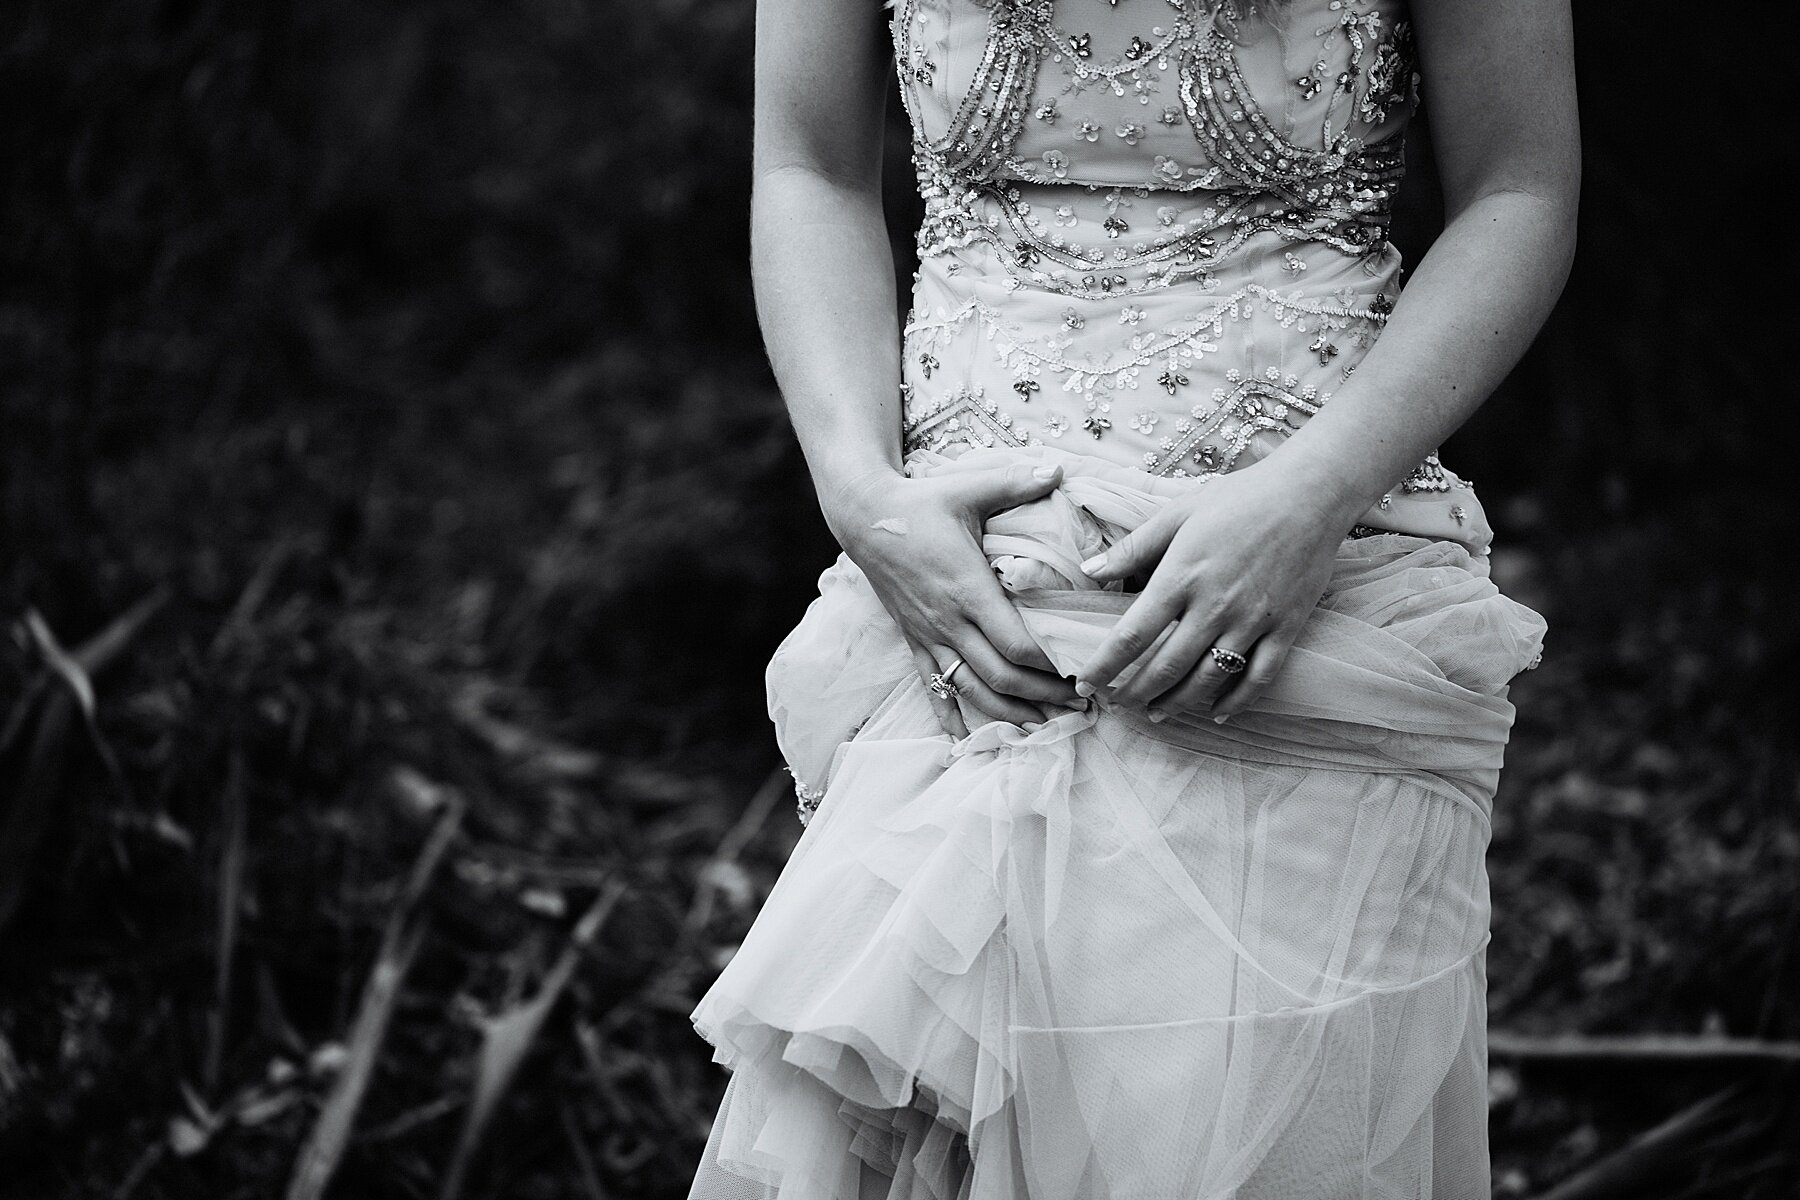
(1290, 264)
(1165, 216)
(1089, 131)
(1057, 163)
(1138, 49)
(1167, 169)
(1065, 215)
(1055, 424)
(1114, 226)
(1131, 132)
(1072, 319)
(1144, 422)
(1131, 314)
(1170, 116)
(1046, 112)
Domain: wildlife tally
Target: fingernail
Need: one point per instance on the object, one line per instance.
(1158, 716)
(1080, 705)
(1084, 689)
(1096, 563)
(1032, 728)
(1221, 718)
(1044, 473)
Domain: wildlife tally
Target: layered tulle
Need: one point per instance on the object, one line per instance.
(1116, 959)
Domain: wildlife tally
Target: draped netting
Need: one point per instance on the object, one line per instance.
(1116, 959)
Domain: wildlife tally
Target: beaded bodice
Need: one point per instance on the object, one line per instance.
(1149, 96)
(1156, 228)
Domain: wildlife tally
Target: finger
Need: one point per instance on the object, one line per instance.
(982, 666)
(948, 715)
(1171, 663)
(986, 492)
(1136, 631)
(1138, 551)
(1202, 689)
(1265, 664)
(1023, 669)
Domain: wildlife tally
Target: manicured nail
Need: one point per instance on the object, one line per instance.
(1030, 727)
(1096, 563)
(1221, 718)
(1079, 705)
(1044, 473)
(1084, 689)
(1158, 716)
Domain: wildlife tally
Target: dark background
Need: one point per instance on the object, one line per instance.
(391, 370)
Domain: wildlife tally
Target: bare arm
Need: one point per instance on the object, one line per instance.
(1501, 81)
(819, 252)
(1244, 568)
(823, 270)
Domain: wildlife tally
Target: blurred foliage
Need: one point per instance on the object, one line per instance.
(410, 349)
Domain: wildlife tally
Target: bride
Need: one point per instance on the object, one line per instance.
(1149, 725)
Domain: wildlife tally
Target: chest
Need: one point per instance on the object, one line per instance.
(1182, 94)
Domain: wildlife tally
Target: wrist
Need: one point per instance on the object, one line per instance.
(1336, 495)
(849, 498)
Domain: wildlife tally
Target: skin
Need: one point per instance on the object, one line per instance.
(1241, 562)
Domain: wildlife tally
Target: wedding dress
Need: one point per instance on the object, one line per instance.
(1109, 959)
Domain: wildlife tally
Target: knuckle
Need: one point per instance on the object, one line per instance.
(1009, 680)
(1016, 648)
(1163, 675)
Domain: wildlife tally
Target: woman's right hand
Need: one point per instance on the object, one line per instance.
(918, 541)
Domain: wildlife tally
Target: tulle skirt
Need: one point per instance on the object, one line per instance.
(1116, 960)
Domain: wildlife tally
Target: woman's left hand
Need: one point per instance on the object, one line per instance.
(1237, 564)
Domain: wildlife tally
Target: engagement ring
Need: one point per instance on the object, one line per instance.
(940, 685)
(1229, 661)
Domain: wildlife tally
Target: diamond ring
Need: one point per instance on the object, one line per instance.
(940, 685)
(1229, 661)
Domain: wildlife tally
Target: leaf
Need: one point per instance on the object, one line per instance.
(506, 1038)
(400, 942)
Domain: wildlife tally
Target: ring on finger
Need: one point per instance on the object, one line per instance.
(941, 685)
(1231, 662)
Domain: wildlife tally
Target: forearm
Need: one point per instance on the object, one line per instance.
(1470, 311)
(823, 270)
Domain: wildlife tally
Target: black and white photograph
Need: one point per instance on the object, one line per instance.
(909, 600)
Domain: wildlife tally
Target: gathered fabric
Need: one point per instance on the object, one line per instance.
(1111, 959)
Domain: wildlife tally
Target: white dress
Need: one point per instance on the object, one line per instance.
(1111, 959)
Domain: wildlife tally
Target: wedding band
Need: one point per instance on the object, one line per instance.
(940, 684)
(1229, 661)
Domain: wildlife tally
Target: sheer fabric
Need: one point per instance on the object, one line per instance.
(1115, 959)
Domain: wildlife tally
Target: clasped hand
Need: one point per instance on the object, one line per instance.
(1238, 564)
(918, 541)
